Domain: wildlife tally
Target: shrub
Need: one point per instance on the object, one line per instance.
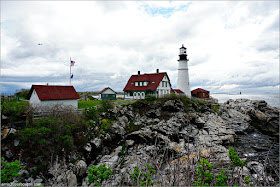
(55, 135)
(150, 98)
(14, 109)
(236, 161)
(221, 179)
(203, 173)
(23, 93)
(105, 105)
(205, 177)
(98, 174)
(91, 98)
(105, 125)
(9, 170)
(91, 114)
(122, 152)
(144, 178)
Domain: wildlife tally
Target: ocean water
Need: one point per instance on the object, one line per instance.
(272, 99)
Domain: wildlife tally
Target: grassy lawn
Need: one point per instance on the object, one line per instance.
(86, 104)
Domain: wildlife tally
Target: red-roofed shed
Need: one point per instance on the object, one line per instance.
(46, 95)
(200, 93)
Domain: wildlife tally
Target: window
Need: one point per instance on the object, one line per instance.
(131, 83)
(153, 82)
(136, 83)
(162, 84)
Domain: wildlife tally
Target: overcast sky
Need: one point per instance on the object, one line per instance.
(232, 46)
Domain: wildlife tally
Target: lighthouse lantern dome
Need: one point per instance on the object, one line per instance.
(183, 50)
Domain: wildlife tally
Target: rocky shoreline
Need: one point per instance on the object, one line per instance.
(162, 133)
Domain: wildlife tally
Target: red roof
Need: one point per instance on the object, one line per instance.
(106, 89)
(176, 90)
(152, 77)
(46, 92)
(199, 90)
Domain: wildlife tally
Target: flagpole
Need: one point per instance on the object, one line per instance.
(70, 73)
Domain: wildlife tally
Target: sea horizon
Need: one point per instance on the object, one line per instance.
(272, 99)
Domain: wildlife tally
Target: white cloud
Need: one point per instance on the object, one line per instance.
(228, 42)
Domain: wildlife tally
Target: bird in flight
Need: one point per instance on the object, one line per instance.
(40, 44)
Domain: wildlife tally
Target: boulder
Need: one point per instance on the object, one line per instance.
(96, 142)
(81, 168)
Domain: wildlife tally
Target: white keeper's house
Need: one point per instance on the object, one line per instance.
(157, 84)
(47, 96)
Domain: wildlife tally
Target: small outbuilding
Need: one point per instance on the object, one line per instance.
(47, 96)
(200, 93)
(107, 93)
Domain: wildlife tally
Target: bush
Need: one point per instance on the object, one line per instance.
(105, 105)
(9, 170)
(143, 178)
(122, 152)
(91, 114)
(58, 134)
(14, 109)
(150, 98)
(105, 125)
(91, 98)
(23, 93)
(203, 173)
(98, 174)
(205, 177)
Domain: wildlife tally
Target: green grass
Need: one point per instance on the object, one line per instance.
(14, 109)
(14, 104)
(86, 104)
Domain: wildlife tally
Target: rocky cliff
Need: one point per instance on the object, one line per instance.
(171, 136)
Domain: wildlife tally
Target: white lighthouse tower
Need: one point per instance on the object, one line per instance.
(183, 82)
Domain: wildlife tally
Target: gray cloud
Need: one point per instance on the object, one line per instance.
(230, 44)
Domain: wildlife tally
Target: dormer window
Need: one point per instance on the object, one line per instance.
(131, 83)
(136, 83)
(153, 81)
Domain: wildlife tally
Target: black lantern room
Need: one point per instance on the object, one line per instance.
(183, 53)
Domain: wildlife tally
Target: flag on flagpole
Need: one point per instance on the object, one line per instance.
(72, 63)
(72, 76)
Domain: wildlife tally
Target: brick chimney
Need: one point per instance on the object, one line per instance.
(157, 70)
(138, 72)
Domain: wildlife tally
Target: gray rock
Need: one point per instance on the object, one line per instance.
(67, 179)
(23, 171)
(129, 143)
(88, 147)
(38, 181)
(71, 178)
(96, 142)
(117, 129)
(123, 121)
(81, 168)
